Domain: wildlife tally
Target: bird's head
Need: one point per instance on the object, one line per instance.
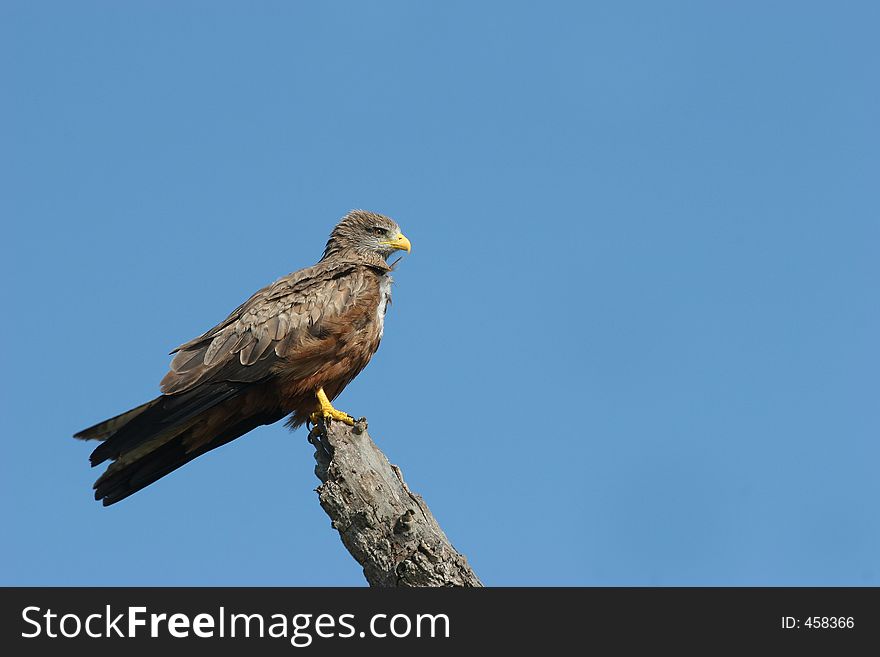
(368, 235)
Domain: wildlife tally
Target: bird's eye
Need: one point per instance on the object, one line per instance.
(377, 230)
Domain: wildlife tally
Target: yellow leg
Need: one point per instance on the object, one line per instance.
(327, 412)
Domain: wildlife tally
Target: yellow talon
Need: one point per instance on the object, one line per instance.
(327, 413)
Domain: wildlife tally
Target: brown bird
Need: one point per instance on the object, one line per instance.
(288, 350)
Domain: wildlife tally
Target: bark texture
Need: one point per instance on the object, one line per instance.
(386, 527)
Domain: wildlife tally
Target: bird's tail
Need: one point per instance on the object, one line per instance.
(154, 439)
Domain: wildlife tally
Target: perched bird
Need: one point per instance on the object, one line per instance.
(288, 350)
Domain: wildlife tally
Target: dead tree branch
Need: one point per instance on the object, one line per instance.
(386, 527)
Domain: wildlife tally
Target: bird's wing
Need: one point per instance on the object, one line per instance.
(290, 313)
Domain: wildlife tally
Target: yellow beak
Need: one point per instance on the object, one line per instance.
(400, 242)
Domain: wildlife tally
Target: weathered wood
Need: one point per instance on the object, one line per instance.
(386, 527)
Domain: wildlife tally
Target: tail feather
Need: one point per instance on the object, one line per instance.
(166, 413)
(107, 428)
(119, 482)
(157, 437)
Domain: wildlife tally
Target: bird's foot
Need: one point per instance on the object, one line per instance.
(326, 413)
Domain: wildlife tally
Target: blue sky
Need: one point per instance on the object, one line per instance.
(635, 342)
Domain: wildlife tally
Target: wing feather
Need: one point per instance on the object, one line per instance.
(283, 325)
(274, 323)
(244, 356)
(220, 347)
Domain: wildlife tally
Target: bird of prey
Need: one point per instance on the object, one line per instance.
(288, 350)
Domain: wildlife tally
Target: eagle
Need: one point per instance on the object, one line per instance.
(289, 350)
